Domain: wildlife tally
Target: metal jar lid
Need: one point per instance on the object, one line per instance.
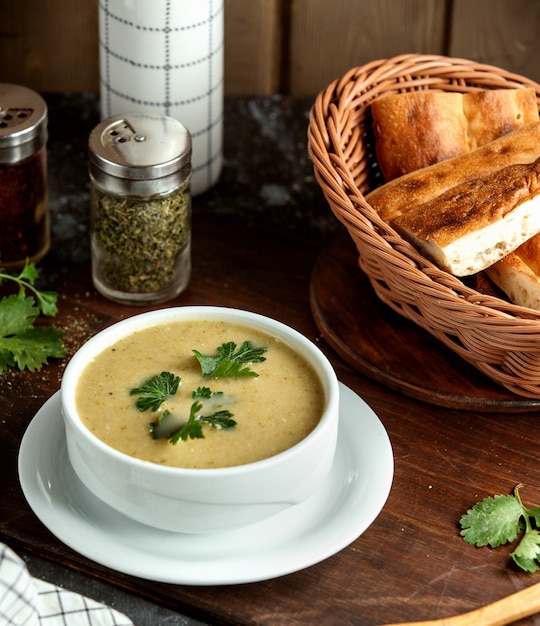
(23, 122)
(139, 146)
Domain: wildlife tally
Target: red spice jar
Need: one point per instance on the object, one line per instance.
(24, 213)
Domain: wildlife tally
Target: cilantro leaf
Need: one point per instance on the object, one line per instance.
(154, 391)
(192, 429)
(33, 347)
(229, 363)
(535, 513)
(220, 419)
(205, 393)
(493, 521)
(28, 273)
(498, 520)
(17, 314)
(21, 344)
(46, 300)
(527, 553)
(202, 392)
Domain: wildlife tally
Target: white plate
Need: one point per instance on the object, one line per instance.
(345, 505)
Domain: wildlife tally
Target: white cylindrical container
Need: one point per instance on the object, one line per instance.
(166, 57)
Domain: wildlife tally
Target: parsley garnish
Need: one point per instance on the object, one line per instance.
(202, 392)
(230, 363)
(22, 344)
(498, 520)
(220, 419)
(154, 391)
(192, 429)
(157, 389)
(206, 393)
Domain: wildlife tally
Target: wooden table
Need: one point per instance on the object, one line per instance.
(411, 563)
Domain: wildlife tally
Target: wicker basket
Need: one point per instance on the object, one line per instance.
(502, 340)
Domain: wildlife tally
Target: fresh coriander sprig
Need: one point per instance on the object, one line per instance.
(154, 391)
(228, 363)
(21, 344)
(46, 300)
(192, 429)
(205, 393)
(498, 520)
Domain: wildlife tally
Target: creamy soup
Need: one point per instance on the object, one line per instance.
(273, 411)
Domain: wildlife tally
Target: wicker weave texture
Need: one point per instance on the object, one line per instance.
(500, 339)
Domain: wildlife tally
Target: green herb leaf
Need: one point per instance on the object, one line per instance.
(493, 521)
(220, 419)
(229, 363)
(21, 344)
(498, 520)
(28, 273)
(202, 392)
(46, 300)
(192, 429)
(535, 513)
(528, 550)
(154, 391)
(205, 393)
(17, 314)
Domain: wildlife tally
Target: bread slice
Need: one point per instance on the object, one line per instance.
(478, 222)
(407, 192)
(518, 274)
(419, 128)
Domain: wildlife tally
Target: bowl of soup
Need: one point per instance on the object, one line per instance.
(197, 419)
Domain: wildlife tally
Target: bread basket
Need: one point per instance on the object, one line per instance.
(500, 339)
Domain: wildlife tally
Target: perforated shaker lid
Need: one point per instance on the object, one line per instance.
(23, 121)
(140, 146)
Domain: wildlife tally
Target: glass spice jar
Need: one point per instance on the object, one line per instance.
(140, 172)
(23, 176)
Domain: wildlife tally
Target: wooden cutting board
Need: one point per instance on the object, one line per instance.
(390, 349)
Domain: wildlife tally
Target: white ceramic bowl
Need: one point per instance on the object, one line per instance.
(201, 500)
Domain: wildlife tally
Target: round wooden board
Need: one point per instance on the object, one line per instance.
(390, 349)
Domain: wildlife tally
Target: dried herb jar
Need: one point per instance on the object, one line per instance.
(23, 176)
(140, 171)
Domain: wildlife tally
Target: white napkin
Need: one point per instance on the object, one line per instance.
(28, 601)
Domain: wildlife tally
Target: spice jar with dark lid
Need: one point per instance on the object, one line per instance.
(23, 176)
(140, 171)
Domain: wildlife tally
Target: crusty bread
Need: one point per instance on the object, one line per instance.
(402, 194)
(518, 274)
(491, 114)
(417, 129)
(476, 223)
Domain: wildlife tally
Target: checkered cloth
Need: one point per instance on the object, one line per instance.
(28, 601)
(167, 57)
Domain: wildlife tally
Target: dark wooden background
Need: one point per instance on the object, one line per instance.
(281, 46)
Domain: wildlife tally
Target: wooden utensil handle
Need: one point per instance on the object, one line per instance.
(504, 611)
